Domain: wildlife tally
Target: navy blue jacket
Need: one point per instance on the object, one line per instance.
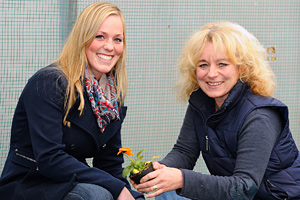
(218, 138)
(47, 159)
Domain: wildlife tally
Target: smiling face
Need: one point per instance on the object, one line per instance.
(216, 75)
(107, 47)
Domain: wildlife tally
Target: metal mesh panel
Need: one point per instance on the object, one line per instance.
(32, 34)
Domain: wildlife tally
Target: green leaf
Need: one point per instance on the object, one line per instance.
(154, 158)
(141, 166)
(126, 171)
(138, 154)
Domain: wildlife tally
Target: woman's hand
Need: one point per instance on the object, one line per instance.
(125, 195)
(161, 180)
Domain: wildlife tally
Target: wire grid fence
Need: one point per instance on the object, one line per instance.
(32, 33)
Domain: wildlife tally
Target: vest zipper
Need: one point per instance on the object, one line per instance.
(206, 146)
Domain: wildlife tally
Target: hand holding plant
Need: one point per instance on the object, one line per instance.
(136, 166)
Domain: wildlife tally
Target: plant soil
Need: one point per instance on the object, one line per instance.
(137, 177)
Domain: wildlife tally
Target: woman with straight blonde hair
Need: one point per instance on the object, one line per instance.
(242, 132)
(70, 111)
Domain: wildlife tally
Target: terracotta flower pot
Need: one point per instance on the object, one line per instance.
(137, 177)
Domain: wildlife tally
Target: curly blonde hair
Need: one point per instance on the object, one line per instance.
(73, 60)
(239, 46)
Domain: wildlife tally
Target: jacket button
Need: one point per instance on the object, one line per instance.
(103, 146)
(72, 147)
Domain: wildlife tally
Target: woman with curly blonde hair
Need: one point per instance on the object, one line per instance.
(242, 132)
(70, 111)
(240, 48)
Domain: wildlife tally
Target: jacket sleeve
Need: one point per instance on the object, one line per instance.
(43, 99)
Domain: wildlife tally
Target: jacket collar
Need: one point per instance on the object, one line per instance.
(206, 105)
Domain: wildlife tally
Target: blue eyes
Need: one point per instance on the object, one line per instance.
(102, 37)
(118, 40)
(99, 36)
(203, 65)
(219, 64)
(223, 64)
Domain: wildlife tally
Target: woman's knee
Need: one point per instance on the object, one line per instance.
(170, 195)
(166, 196)
(85, 191)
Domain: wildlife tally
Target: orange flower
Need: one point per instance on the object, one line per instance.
(126, 150)
(136, 166)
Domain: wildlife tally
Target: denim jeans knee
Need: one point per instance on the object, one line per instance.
(170, 195)
(85, 191)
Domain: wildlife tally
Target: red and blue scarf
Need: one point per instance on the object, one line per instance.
(106, 110)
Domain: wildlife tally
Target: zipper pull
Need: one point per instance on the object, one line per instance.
(206, 137)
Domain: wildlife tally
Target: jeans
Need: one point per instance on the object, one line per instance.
(171, 195)
(85, 191)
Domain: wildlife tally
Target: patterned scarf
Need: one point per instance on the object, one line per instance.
(106, 110)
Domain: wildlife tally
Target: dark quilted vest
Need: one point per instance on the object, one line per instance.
(218, 138)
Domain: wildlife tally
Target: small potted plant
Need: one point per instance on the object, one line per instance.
(137, 168)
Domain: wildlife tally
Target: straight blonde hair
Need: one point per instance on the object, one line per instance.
(239, 46)
(73, 60)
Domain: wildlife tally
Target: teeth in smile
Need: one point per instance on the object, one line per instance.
(104, 57)
(214, 84)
